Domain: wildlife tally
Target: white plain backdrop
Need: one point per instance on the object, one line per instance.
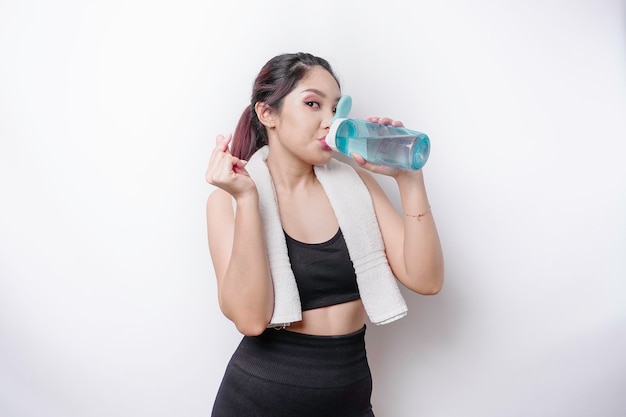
(108, 113)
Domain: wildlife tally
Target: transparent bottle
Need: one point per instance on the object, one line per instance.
(377, 143)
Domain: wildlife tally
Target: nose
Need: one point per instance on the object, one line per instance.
(327, 121)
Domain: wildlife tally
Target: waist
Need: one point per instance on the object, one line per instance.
(338, 319)
(303, 359)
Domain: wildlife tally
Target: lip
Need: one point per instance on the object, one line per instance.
(324, 144)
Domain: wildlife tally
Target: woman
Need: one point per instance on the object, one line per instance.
(310, 362)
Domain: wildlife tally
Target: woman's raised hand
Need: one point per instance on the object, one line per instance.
(227, 171)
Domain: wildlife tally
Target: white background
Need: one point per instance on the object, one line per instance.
(108, 113)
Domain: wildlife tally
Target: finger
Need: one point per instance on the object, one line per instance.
(240, 169)
(216, 155)
(222, 142)
(218, 159)
(221, 147)
(221, 168)
(370, 166)
(358, 159)
(221, 138)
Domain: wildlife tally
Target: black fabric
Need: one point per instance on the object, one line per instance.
(286, 374)
(324, 272)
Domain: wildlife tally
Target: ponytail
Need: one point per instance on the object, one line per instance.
(249, 135)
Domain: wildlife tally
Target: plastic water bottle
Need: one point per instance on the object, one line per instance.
(380, 144)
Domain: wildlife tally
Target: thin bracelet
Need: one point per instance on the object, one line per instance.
(420, 215)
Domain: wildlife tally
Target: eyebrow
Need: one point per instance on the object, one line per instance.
(318, 92)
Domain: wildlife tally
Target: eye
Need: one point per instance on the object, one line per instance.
(313, 104)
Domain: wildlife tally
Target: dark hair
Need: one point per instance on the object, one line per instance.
(277, 78)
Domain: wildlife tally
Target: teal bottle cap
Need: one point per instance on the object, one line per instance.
(344, 105)
(343, 108)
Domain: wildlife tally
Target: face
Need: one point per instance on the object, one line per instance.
(302, 122)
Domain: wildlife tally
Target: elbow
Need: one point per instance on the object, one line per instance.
(247, 322)
(251, 327)
(434, 290)
(432, 285)
(251, 330)
(425, 279)
(247, 326)
(435, 283)
(425, 289)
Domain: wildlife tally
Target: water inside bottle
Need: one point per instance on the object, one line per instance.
(348, 146)
(392, 151)
(383, 144)
(396, 151)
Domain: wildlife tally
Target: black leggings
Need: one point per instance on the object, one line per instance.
(286, 374)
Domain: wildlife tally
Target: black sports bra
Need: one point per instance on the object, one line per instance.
(324, 272)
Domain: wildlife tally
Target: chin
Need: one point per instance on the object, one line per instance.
(326, 156)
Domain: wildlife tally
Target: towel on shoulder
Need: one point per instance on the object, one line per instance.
(378, 286)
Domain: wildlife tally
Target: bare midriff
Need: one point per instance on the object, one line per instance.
(333, 320)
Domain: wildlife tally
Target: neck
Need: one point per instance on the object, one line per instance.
(288, 173)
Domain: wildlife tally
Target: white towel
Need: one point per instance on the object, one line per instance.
(354, 209)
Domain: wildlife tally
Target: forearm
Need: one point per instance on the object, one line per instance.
(246, 292)
(422, 253)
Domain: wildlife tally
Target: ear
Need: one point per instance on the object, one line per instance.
(266, 115)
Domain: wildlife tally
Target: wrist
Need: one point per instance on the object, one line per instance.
(418, 216)
(250, 197)
(409, 178)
